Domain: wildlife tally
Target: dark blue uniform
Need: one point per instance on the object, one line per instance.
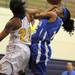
(66, 14)
(40, 48)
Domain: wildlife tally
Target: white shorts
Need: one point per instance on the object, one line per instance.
(15, 59)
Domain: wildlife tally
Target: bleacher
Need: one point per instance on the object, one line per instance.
(55, 66)
(43, 4)
(4, 3)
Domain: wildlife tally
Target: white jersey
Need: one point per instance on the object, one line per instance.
(22, 35)
(18, 54)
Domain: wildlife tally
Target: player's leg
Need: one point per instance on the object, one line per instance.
(39, 59)
(5, 67)
(23, 59)
(26, 56)
(15, 60)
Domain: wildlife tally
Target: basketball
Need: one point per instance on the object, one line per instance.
(54, 2)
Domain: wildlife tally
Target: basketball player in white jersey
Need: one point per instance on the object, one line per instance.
(17, 52)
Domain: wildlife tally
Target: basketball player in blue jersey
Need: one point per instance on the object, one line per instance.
(64, 13)
(40, 48)
(40, 43)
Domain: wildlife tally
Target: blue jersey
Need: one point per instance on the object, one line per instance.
(40, 49)
(46, 30)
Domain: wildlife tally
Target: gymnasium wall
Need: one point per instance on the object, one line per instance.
(42, 4)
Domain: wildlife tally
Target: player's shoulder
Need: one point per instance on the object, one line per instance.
(14, 23)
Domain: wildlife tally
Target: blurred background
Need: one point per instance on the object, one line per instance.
(63, 46)
(42, 4)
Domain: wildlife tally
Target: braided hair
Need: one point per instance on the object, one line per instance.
(68, 23)
(17, 8)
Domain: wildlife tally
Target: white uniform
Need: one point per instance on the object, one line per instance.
(18, 53)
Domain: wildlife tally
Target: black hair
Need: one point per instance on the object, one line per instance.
(16, 6)
(68, 23)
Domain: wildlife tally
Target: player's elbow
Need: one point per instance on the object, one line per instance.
(53, 16)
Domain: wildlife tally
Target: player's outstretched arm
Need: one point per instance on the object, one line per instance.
(42, 14)
(49, 14)
(32, 10)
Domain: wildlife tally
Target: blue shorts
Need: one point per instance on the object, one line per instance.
(40, 55)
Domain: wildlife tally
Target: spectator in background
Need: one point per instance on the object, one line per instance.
(70, 69)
